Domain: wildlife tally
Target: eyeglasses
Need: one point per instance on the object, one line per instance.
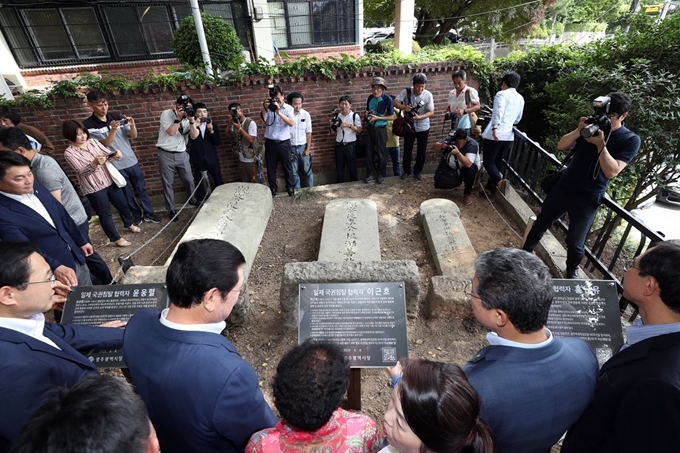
(51, 280)
(632, 266)
(468, 292)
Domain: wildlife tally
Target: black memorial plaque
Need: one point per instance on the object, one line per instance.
(367, 319)
(588, 309)
(94, 305)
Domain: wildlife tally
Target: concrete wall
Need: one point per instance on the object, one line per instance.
(321, 97)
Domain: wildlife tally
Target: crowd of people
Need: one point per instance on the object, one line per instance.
(193, 392)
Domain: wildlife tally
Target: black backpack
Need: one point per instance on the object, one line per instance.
(446, 177)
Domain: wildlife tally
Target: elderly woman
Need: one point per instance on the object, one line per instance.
(310, 383)
(88, 158)
(434, 409)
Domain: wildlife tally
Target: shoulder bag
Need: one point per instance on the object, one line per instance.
(553, 176)
(118, 179)
(402, 125)
(475, 130)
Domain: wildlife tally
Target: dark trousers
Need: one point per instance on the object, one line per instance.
(345, 156)
(101, 203)
(581, 209)
(420, 151)
(214, 172)
(136, 185)
(275, 152)
(99, 271)
(494, 153)
(376, 139)
(469, 174)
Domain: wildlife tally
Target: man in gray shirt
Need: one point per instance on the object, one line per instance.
(47, 172)
(416, 103)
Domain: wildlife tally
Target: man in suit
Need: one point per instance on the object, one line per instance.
(37, 356)
(203, 150)
(201, 395)
(637, 400)
(28, 212)
(533, 386)
(49, 173)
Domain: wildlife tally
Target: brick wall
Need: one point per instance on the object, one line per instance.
(41, 77)
(323, 52)
(321, 97)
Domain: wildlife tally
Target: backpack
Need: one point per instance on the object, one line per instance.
(446, 177)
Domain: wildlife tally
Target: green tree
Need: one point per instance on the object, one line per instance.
(223, 43)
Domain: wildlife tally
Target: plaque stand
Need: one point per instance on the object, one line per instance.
(354, 391)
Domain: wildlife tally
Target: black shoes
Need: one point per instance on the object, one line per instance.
(274, 192)
(291, 192)
(171, 216)
(151, 217)
(405, 175)
(368, 179)
(379, 180)
(573, 274)
(418, 176)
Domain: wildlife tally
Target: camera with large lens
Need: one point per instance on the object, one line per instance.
(599, 119)
(415, 110)
(188, 109)
(484, 116)
(448, 116)
(273, 99)
(235, 116)
(369, 115)
(336, 121)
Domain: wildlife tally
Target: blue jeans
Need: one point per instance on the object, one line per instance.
(393, 154)
(306, 161)
(136, 183)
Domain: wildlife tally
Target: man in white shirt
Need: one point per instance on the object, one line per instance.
(533, 386)
(176, 127)
(243, 132)
(346, 125)
(37, 356)
(279, 119)
(301, 141)
(459, 107)
(508, 106)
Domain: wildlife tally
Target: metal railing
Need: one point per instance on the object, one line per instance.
(618, 236)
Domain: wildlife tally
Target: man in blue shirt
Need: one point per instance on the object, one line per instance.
(580, 190)
(637, 399)
(380, 110)
(279, 119)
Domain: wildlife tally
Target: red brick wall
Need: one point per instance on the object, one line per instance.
(40, 77)
(323, 52)
(321, 98)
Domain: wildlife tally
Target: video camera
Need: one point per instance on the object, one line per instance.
(335, 121)
(599, 119)
(273, 99)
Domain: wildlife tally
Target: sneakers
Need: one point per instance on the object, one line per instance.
(151, 217)
(135, 229)
(467, 200)
(137, 221)
(368, 179)
(418, 176)
(291, 193)
(122, 242)
(379, 180)
(502, 185)
(171, 216)
(405, 175)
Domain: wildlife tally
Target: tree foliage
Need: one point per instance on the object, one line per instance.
(223, 43)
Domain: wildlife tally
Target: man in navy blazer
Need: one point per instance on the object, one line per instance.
(201, 395)
(533, 386)
(637, 399)
(203, 150)
(37, 356)
(28, 212)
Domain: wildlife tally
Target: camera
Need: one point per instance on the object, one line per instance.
(273, 99)
(414, 110)
(335, 121)
(206, 119)
(448, 116)
(123, 121)
(235, 116)
(599, 119)
(369, 115)
(484, 116)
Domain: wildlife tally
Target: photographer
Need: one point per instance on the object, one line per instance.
(416, 103)
(379, 110)
(242, 133)
(115, 131)
(278, 119)
(346, 124)
(597, 159)
(301, 141)
(463, 100)
(177, 126)
(203, 150)
(464, 157)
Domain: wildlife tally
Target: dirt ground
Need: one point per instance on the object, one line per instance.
(294, 233)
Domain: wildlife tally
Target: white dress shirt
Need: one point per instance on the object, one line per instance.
(495, 340)
(302, 127)
(33, 327)
(508, 106)
(216, 327)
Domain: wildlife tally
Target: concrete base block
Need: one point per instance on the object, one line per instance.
(350, 231)
(327, 272)
(446, 298)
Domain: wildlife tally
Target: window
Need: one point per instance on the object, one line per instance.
(157, 29)
(83, 27)
(123, 24)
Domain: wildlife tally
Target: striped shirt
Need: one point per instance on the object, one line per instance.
(92, 178)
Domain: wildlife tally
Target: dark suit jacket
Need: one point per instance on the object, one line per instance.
(30, 369)
(637, 402)
(203, 150)
(60, 245)
(530, 397)
(201, 395)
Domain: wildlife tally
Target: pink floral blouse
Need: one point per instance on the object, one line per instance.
(345, 432)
